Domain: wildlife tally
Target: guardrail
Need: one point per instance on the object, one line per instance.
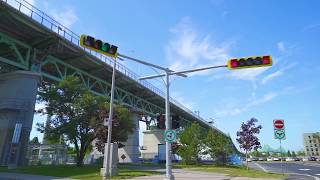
(47, 21)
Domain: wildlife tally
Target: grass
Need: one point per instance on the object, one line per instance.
(233, 171)
(85, 172)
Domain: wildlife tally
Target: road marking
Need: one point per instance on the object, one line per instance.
(304, 169)
(315, 177)
(261, 167)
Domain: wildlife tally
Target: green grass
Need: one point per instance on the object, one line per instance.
(233, 171)
(85, 172)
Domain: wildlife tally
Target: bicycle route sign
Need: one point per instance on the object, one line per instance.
(170, 136)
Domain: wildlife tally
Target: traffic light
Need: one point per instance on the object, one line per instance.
(99, 46)
(250, 62)
(175, 122)
(161, 121)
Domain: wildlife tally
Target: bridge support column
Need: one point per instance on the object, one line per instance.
(151, 140)
(131, 150)
(18, 92)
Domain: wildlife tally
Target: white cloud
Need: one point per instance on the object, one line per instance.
(188, 49)
(67, 17)
(276, 74)
(281, 47)
(181, 99)
(233, 110)
(271, 76)
(310, 27)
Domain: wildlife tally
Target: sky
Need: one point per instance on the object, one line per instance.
(185, 34)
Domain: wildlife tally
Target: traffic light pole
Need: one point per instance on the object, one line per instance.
(169, 175)
(107, 164)
(168, 72)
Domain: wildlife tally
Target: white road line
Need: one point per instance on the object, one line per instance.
(316, 178)
(261, 167)
(304, 169)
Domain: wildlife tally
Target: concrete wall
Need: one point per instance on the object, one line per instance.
(131, 149)
(151, 139)
(17, 100)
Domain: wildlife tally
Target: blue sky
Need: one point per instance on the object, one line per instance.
(186, 34)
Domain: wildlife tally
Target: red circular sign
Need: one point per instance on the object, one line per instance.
(279, 124)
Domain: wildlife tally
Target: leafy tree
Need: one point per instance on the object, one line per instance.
(34, 141)
(301, 153)
(218, 146)
(191, 144)
(247, 136)
(76, 114)
(256, 153)
(289, 153)
(294, 154)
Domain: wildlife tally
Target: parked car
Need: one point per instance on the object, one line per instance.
(312, 158)
(254, 159)
(276, 159)
(249, 159)
(290, 159)
(269, 159)
(297, 159)
(262, 159)
(305, 159)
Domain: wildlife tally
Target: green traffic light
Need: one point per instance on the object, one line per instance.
(105, 47)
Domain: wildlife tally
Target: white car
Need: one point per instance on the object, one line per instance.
(269, 159)
(289, 159)
(276, 159)
(305, 159)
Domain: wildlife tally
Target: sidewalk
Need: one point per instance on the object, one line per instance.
(181, 174)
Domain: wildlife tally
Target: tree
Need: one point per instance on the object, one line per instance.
(247, 138)
(34, 141)
(293, 154)
(218, 146)
(76, 114)
(301, 153)
(191, 144)
(289, 153)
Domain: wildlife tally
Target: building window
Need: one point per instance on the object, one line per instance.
(307, 149)
(316, 149)
(311, 149)
(309, 137)
(310, 141)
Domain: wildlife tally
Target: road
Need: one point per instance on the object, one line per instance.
(308, 170)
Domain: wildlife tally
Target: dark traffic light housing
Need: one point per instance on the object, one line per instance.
(250, 62)
(99, 46)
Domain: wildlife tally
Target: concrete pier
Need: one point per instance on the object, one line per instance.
(18, 92)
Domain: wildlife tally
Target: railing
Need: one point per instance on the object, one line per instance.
(47, 21)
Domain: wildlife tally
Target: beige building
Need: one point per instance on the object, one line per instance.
(311, 143)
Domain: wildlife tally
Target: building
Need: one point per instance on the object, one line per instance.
(311, 143)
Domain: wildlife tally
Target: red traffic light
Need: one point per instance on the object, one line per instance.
(250, 62)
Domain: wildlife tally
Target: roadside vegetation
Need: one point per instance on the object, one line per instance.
(83, 172)
(232, 171)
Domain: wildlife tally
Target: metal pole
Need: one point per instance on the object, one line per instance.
(108, 164)
(281, 157)
(169, 175)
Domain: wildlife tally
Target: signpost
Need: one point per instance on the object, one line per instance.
(279, 133)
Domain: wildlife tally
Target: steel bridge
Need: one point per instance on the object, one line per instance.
(31, 40)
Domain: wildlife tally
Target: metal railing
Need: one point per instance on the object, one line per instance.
(47, 21)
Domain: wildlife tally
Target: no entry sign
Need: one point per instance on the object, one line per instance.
(278, 124)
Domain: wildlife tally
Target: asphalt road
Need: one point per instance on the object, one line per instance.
(309, 170)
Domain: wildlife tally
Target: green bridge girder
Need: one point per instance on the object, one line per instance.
(35, 42)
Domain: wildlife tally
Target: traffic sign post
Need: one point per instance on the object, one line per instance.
(279, 133)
